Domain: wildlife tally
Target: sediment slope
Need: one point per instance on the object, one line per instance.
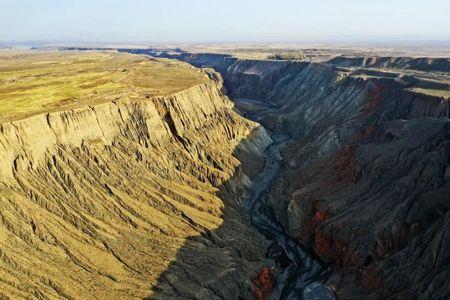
(129, 198)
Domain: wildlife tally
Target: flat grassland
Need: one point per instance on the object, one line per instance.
(36, 82)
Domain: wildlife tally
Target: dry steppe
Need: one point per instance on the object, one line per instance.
(34, 82)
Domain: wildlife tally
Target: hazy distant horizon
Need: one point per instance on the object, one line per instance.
(232, 21)
(404, 42)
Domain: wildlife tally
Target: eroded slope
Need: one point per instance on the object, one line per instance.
(130, 198)
(365, 179)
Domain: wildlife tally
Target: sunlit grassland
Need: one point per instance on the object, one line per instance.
(433, 92)
(34, 82)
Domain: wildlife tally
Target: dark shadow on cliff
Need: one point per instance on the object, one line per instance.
(220, 263)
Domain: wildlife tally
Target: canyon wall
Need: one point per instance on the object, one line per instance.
(366, 174)
(414, 63)
(130, 199)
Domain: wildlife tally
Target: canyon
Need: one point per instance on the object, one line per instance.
(315, 181)
(365, 173)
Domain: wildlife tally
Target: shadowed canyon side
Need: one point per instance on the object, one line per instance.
(365, 175)
(133, 196)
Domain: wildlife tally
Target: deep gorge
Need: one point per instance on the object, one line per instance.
(365, 175)
(270, 180)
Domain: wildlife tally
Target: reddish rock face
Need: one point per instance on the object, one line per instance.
(346, 168)
(262, 285)
(371, 277)
(322, 243)
(319, 217)
(373, 99)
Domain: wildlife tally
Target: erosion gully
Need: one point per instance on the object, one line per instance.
(299, 274)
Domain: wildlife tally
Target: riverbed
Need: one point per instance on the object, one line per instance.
(299, 275)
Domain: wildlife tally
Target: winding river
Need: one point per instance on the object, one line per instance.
(299, 274)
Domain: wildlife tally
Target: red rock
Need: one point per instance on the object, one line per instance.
(374, 99)
(322, 244)
(371, 277)
(346, 167)
(262, 285)
(320, 216)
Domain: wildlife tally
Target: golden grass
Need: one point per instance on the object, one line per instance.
(433, 92)
(34, 82)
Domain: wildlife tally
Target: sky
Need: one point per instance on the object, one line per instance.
(223, 20)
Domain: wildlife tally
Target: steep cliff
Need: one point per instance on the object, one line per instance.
(419, 63)
(130, 198)
(365, 179)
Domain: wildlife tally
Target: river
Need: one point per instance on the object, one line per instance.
(299, 274)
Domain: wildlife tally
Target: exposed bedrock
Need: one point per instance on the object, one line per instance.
(366, 174)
